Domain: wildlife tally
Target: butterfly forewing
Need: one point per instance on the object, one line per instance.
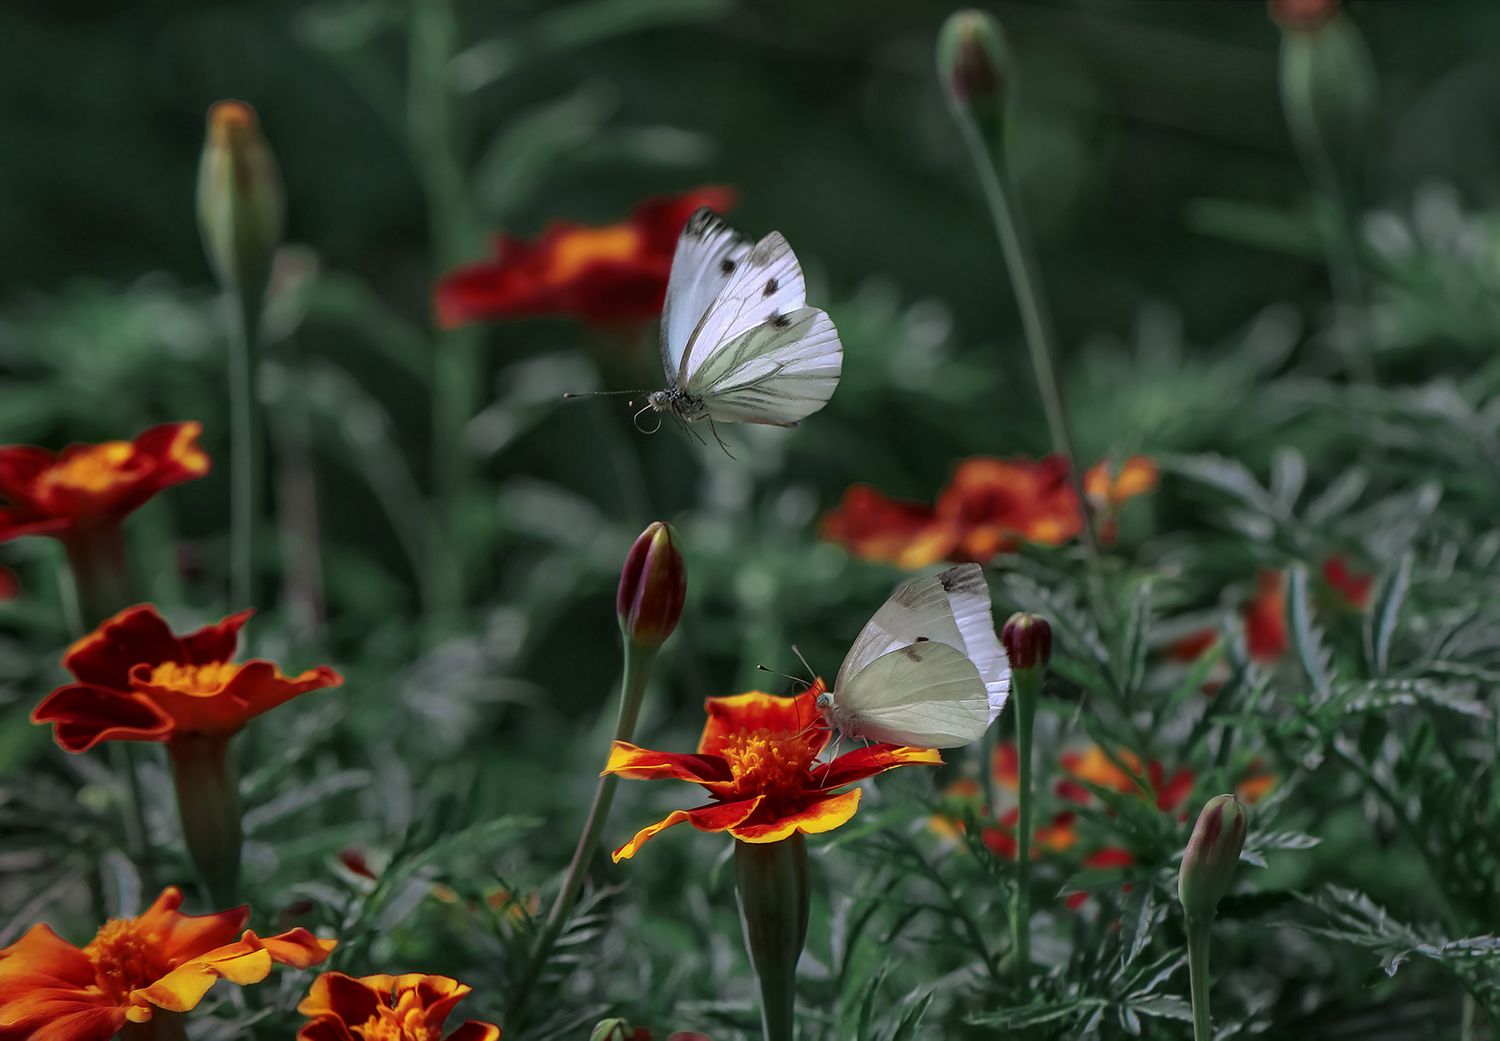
(777, 373)
(708, 253)
(766, 284)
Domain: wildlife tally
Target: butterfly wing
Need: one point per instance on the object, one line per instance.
(766, 283)
(777, 373)
(951, 608)
(928, 695)
(708, 253)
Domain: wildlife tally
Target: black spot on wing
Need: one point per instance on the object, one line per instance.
(781, 321)
(726, 266)
(921, 639)
(771, 286)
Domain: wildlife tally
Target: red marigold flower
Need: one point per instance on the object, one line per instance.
(1265, 618)
(615, 273)
(161, 960)
(1353, 587)
(894, 531)
(91, 486)
(1109, 857)
(139, 681)
(996, 504)
(757, 759)
(410, 1007)
(1192, 646)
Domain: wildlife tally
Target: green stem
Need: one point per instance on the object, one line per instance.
(1198, 981)
(244, 432)
(452, 226)
(208, 802)
(775, 898)
(1036, 322)
(638, 662)
(101, 588)
(1025, 684)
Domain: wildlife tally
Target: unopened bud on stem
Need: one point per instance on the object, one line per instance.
(653, 586)
(1212, 854)
(974, 68)
(240, 199)
(1027, 639)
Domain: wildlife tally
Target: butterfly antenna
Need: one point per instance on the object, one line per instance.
(573, 395)
(636, 420)
(785, 676)
(810, 671)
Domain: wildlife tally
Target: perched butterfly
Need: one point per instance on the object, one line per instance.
(738, 341)
(927, 670)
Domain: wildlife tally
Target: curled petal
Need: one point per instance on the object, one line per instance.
(867, 762)
(643, 764)
(255, 687)
(135, 636)
(82, 716)
(718, 816)
(215, 643)
(247, 960)
(183, 937)
(474, 1030)
(819, 815)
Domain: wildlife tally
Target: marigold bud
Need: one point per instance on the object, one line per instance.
(653, 585)
(1302, 14)
(1212, 854)
(1328, 87)
(1028, 641)
(617, 1029)
(240, 200)
(973, 64)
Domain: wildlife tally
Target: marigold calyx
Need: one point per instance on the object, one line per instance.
(1212, 854)
(653, 586)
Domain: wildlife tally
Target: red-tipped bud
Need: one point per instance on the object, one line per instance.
(239, 199)
(1212, 854)
(1304, 15)
(1028, 641)
(617, 1029)
(653, 585)
(973, 66)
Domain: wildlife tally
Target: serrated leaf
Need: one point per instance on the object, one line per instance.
(1387, 613)
(1307, 638)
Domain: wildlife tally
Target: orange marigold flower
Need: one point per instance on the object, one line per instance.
(1353, 587)
(615, 273)
(1257, 783)
(92, 486)
(757, 759)
(410, 1007)
(1265, 618)
(873, 527)
(955, 803)
(162, 960)
(1108, 489)
(1096, 767)
(139, 681)
(996, 504)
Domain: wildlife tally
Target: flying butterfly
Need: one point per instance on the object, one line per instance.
(927, 670)
(738, 342)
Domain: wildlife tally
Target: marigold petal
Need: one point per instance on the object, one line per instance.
(39, 960)
(757, 710)
(297, 947)
(325, 1028)
(643, 764)
(474, 1030)
(72, 1016)
(181, 989)
(717, 816)
(874, 759)
(83, 716)
(135, 636)
(255, 687)
(340, 995)
(215, 643)
(184, 937)
(820, 815)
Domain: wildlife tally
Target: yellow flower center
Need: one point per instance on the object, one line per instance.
(578, 249)
(95, 469)
(768, 762)
(125, 957)
(406, 1021)
(193, 679)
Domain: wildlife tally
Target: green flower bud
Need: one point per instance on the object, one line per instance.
(240, 199)
(974, 66)
(1328, 87)
(653, 586)
(1027, 639)
(616, 1029)
(1212, 854)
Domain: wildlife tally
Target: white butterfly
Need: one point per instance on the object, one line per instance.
(738, 341)
(927, 670)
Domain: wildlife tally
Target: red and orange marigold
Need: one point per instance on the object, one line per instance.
(757, 759)
(135, 968)
(409, 1007)
(86, 487)
(136, 680)
(603, 275)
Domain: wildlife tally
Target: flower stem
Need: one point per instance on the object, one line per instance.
(208, 802)
(101, 587)
(771, 880)
(1024, 693)
(1026, 284)
(244, 430)
(638, 662)
(1198, 930)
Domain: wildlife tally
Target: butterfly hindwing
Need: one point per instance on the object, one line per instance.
(776, 373)
(927, 694)
(708, 253)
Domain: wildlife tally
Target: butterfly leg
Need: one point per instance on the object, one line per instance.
(715, 430)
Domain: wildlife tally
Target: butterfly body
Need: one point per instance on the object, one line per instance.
(738, 342)
(927, 670)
